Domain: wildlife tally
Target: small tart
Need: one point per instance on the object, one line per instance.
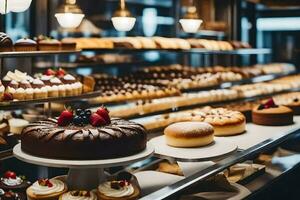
(112, 190)
(10, 195)
(25, 44)
(46, 189)
(79, 195)
(274, 116)
(17, 183)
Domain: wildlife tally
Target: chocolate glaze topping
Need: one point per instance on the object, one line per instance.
(120, 138)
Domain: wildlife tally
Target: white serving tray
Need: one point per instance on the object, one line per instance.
(216, 150)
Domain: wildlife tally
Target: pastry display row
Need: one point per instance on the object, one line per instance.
(20, 86)
(17, 187)
(148, 83)
(263, 112)
(156, 43)
(104, 58)
(184, 77)
(210, 96)
(40, 43)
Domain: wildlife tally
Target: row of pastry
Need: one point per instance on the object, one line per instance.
(204, 97)
(40, 43)
(121, 186)
(18, 85)
(156, 43)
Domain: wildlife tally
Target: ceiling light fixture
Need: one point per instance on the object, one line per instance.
(122, 18)
(190, 22)
(7, 6)
(69, 15)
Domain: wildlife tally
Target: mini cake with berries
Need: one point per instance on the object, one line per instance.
(10, 181)
(83, 135)
(79, 194)
(123, 186)
(270, 114)
(46, 189)
(10, 195)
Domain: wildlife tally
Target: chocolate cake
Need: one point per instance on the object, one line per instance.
(6, 43)
(270, 114)
(83, 140)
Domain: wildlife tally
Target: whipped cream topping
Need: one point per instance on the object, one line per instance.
(29, 90)
(25, 82)
(2, 88)
(20, 90)
(26, 40)
(11, 90)
(46, 78)
(38, 82)
(55, 81)
(57, 186)
(69, 77)
(105, 188)
(12, 182)
(69, 196)
(6, 78)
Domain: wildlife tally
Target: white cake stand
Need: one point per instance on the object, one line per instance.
(83, 174)
(218, 149)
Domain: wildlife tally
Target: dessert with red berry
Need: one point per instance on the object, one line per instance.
(270, 114)
(10, 195)
(10, 181)
(84, 135)
(79, 194)
(46, 189)
(123, 186)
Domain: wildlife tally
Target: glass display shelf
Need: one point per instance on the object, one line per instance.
(172, 190)
(14, 54)
(189, 51)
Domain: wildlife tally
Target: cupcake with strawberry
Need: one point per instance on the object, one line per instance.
(46, 189)
(11, 182)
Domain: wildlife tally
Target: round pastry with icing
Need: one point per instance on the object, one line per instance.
(79, 195)
(10, 181)
(46, 189)
(83, 135)
(189, 134)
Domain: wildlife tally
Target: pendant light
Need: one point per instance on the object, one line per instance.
(18, 5)
(69, 15)
(122, 18)
(190, 22)
(7, 6)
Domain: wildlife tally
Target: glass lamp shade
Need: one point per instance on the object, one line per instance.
(18, 5)
(69, 20)
(123, 23)
(3, 11)
(190, 25)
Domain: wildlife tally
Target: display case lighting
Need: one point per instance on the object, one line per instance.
(69, 15)
(190, 22)
(122, 19)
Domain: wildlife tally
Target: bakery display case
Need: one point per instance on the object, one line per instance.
(167, 116)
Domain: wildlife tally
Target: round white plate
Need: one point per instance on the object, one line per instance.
(215, 150)
(82, 163)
